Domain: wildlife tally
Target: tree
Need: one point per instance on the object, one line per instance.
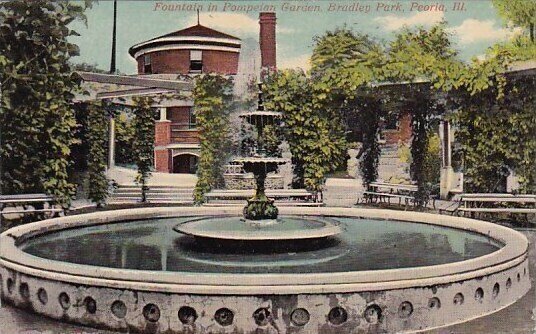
(37, 116)
(143, 140)
(212, 98)
(520, 12)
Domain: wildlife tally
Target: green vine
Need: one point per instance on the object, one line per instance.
(370, 125)
(97, 139)
(144, 140)
(315, 136)
(212, 98)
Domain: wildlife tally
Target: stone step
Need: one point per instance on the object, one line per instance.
(134, 186)
(120, 201)
(137, 193)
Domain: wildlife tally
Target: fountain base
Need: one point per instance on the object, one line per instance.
(260, 209)
(254, 231)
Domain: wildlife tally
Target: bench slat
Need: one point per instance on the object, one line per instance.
(29, 200)
(511, 210)
(29, 211)
(388, 195)
(501, 199)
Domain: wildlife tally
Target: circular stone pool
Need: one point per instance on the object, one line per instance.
(387, 271)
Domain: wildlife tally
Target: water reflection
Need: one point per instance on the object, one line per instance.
(364, 245)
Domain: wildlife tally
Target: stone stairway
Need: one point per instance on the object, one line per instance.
(389, 164)
(342, 192)
(128, 194)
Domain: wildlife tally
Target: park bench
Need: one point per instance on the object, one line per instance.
(27, 204)
(493, 203)
(385, 192)
(294, 197)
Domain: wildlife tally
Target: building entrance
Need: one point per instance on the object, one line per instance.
(185, 164)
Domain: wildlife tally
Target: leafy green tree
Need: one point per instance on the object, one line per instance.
(144, 119)
(346, 67)
(520, 12)
(37, 85)
(423, 55)
(212, 98)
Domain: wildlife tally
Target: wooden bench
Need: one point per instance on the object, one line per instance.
(478, 203)
(386, 191)
(36, 201)
(386, 197)
(295, 197)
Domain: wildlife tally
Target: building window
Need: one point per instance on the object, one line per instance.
(192, 122)
(196, 61)
(147, 68)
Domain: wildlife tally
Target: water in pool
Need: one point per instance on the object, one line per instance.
(364, 244)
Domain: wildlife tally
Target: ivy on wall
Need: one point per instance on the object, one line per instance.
(343, 64)
(498, 136)
(212, 99)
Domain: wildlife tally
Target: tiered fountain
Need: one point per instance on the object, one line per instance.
(260, 222)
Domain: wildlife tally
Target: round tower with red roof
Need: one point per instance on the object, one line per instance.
(194, 50)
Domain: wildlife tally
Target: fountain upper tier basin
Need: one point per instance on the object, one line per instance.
(388, 271)
(266, 164)
(260, 117)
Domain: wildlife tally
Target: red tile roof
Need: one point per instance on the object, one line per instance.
(199, 31)
(193, 31)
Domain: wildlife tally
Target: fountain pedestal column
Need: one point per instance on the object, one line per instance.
(260, 206)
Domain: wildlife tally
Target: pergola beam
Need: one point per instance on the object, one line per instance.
(126, 80)
(132, 92)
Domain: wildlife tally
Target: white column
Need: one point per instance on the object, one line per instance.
(111, 143)
(447, 172)
(163, 114)
(446, 143)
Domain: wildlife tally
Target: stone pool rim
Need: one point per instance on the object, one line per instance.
(12, 257)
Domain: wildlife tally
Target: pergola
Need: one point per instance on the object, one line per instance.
(449, 179)
(120, 89)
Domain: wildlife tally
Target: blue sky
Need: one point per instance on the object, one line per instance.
(475, 28)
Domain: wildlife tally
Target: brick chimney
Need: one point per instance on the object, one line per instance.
(267, 40)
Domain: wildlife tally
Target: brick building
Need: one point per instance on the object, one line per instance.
(191, 51)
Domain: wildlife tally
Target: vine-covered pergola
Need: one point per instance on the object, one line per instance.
(103, 95)
(428, 106)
